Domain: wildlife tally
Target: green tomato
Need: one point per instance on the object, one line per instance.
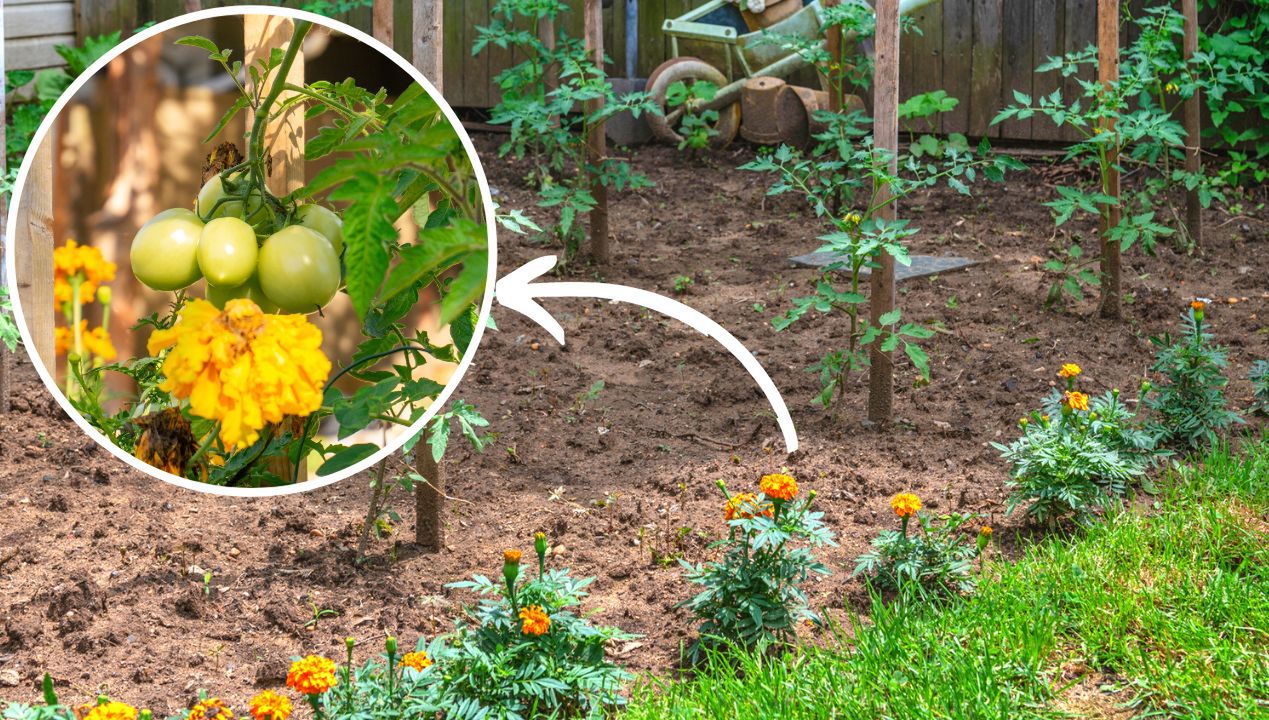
(218, 296)
(214, 189)
(299, 270)
(227, 252)
(325, 221)
(164, 252)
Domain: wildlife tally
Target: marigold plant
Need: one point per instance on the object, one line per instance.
(935, 560)
(1188, 405)
(752, 595)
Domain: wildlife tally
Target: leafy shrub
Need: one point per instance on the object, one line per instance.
(697, 125)
(522, 653)
(1260, 387)
(937, 561)
(1189, 404)
(752, 596)
(1077, 455)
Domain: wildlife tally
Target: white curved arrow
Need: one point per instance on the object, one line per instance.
(517, 291)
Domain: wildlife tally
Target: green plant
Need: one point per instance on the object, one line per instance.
(752, 596)
(1233, 55)
(1188, 404)
(683, 283)
(1075, 456)
(545, 105)
(1259, 377)
(1072, 272)
(697, 126)
(935, 562)
(9, 334)
(317, 612)
(522, 652)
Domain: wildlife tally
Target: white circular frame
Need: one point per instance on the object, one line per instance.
(464, 362)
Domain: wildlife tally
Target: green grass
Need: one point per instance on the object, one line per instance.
(1168, 607)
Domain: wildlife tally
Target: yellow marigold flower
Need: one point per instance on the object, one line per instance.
(985, 530)
(87, 262)
(312, 675)
(416, 660)
(1069, 370)
(779, 486)
(984, 537)
(210, 709)
(511, 556)
(64, 339)
(242, 367)
(905, 504)
(269, 705)
(534, 621)
(98, 343)
(745, 505)
(112, 710)
(1075, 400)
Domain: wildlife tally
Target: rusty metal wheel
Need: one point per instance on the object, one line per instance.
(688, 70)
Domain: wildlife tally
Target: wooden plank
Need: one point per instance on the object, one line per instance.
(99, 17)
(926, 51)
(1108, 73)
(1018, 71)
(403, 36)
(499, 58)
(39, 20)
(24, 2)
(457, 55)
(35, 53)
(653, 47)
(429, 50)
(477, 69)
(381, 17)
(1048, 24)
(986, 64)
(598, 140)
(1081, 32)
(957, 56)
(886, 139)
(1193, 141)
(33, 255)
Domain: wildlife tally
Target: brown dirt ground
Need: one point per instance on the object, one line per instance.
(101, 568)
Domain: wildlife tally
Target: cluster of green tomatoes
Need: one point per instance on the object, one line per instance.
(295, 270)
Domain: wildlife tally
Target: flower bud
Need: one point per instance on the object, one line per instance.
(539, 543)
(391, 645)
(350, 643)
(984, 537)
(146, 714)
(511, 566)
(104, 294)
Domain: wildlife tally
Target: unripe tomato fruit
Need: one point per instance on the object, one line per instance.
(164, 252)
(214, 189)
(250, 289)
(325, 221)
(298, 269)
(227, 252)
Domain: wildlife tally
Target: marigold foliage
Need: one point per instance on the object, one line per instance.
(1188, 405)
(312, 675)
(242, 367)
(934, 559)
(744, 505)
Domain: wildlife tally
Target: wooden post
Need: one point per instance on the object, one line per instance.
(381, 21)
(833, 41)
(429, 40)
(546, 33)
(1108, 74)
(597, 140)
(1193, 112)
(283, 137)
(33, 253)
(885, 128)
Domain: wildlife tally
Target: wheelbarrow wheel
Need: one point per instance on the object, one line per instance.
(689, 70)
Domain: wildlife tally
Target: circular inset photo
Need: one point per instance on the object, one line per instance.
(251, 253)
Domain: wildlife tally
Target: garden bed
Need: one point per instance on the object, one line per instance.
(103, 572)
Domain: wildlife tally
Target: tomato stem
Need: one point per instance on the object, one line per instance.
(255, 146)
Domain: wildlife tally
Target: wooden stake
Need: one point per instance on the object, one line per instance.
(429, 46)
(833, 40)
(596, 138)
(546, 33)
(284, 138)
(1108, 74)
(381, 21)
(429, 499)
(885, 128)
(1193, 114)
(33, 253)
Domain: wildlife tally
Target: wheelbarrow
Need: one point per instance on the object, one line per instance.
(713, 44)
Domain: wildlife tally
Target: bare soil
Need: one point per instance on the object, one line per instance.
(102, 569)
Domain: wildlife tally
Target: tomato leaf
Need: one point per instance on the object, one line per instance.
(346, 458)
(368, 231)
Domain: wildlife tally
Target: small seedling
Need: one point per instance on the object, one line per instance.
(683, 283)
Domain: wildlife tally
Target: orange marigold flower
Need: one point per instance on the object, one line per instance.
(1075, 400)
(985, 530)
(210, 709)
(112, 710)
(745, 505)
(269, 705)
(312, 675)
(1069, 370)
(511, 556)
(1199, 304)
(534, 621)
(416, 660)
(779, 486)
(905, 504)
(95, 342)
(84, 261)
(242, 367)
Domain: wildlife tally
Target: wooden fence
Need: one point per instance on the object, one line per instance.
(979, 51)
